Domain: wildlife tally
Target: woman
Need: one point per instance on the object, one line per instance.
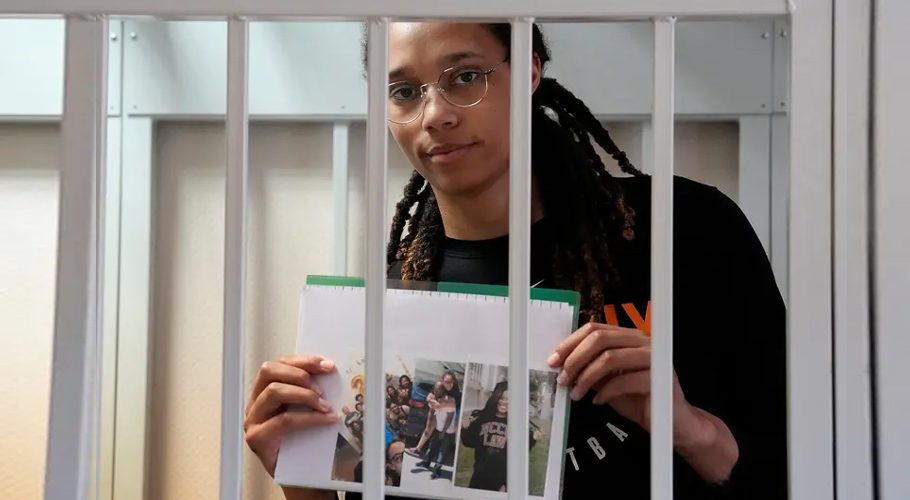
(449, 387)
(442, 441)
(590, 233)
(486, 430)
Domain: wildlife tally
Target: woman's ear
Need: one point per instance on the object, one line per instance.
(535, 73)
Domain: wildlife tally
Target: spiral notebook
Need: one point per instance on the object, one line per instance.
(445, 358)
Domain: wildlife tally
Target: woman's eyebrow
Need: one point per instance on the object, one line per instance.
(457, 57)
(448, 59)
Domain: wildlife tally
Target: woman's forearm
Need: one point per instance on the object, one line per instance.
(715, 454)
(308, 494)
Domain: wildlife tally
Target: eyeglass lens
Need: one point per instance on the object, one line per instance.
(462, 87)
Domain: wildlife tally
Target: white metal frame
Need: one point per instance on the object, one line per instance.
(809, 259)
(466, 9)
(662, 123)
(891, 247)
(376, 178)
(809, 235)
(519, 255)
(76, 374)
(852, 356)
(235, 247)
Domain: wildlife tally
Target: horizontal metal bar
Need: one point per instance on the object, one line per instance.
(475, 9)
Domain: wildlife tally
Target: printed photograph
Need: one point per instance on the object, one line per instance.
(348, 463)
(481, 450)
(430, 431)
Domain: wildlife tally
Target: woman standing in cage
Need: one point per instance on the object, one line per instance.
(449, 113)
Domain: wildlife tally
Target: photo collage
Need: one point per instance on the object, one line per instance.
(446, 426)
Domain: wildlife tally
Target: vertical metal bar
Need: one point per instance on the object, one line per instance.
(80, 263)
(340, 134)
(755, 174)
(852, 381)
(133, 325)
(235, 243)
(377, 170)
(662, 262)
(519, 257)
(809, 314)
(891, 246)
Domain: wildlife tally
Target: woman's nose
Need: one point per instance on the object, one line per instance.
(438, 113)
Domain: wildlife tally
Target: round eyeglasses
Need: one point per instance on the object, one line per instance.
(461, 86)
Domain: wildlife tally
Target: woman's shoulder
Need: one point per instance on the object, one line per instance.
(693, 201)
(637, 190)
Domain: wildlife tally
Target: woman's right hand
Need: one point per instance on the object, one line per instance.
(289, 380)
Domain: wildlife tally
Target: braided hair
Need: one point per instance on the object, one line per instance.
(586, 204)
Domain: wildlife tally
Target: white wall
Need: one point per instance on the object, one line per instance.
(28, 259)
(704, 151)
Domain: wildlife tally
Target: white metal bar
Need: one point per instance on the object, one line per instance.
(519, 257)
(891, 272)
(103, 488)
(340, 143)
(80, 266)
(235, 244)
(780, 191)
(469, 9)
(376, 177)
(809, 312)
(662, 261)
(852, 378)
(133, 323)
(755, 174)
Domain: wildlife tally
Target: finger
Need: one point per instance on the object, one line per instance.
(630, 383)
(595, 343)
(267, 435)
(569, 343)
(276, 394)
(609, 364)
(317, 365)
(276, 371)
(572, 341)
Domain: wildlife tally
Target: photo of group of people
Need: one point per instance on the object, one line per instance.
(447, 425)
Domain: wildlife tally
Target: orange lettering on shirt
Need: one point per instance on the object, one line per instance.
(641, 324)
(610, 314)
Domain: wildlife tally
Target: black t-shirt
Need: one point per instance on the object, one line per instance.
(488, 436)
(729, 348)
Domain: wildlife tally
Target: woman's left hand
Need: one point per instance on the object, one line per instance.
(615, 363)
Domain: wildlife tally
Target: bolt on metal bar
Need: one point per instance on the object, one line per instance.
(76, 365)
(662, 262)
(235, 245)
(519, 257)
(377, 171)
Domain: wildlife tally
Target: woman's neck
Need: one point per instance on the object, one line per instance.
(484, 216)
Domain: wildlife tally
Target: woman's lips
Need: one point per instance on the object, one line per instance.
(451, 154)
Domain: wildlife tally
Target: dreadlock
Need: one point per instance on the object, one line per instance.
(586, 203)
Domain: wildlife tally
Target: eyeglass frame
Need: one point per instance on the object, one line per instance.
(424, 93)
